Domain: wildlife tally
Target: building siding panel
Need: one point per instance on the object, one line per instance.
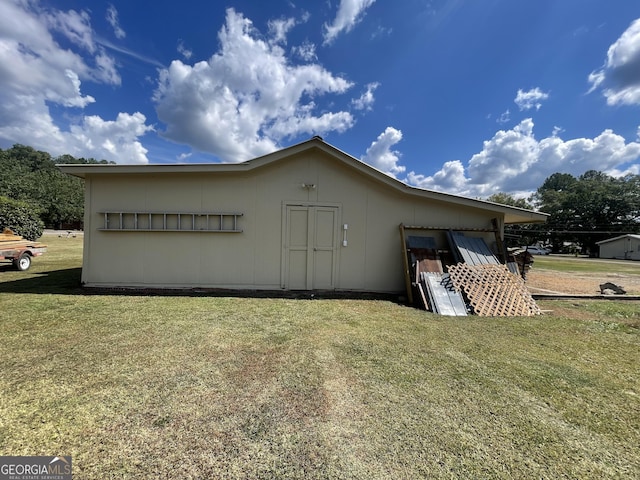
(370, 261)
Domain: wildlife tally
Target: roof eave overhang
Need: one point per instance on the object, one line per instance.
(511, 215)
(619, 237)
(82, 171)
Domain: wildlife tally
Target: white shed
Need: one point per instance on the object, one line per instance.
(624, 247)
(308, 217)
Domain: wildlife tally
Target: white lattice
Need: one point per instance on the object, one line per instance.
(493, 290)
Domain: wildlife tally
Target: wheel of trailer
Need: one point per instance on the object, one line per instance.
(23, 262)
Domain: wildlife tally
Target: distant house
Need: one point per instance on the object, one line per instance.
(624, 247)
(308, 217)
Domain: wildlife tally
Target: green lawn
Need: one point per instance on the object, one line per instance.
(588, 265)
(139, 386)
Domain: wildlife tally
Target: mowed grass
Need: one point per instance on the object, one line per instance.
(137, 386)
(586, 265)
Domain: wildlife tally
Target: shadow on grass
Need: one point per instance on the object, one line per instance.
(67, 282)
(60, 282)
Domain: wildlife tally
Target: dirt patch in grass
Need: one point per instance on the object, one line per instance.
(583, 283)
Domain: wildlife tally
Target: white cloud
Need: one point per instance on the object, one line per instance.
(530, 99)
(112, 139)
(307, 123)
(280, 28)
(450, 178)
(365, 101)
(105, 71)
(77, 100)
(505, 117)
(381, 31)
(115, 140)
(76, 26)
(515, 161)
(628, 170)
(131, 53)
(184, 51)
(36, 72)
(350, 12)
(112, 18)
(381, 156)
(507, 155)
(619, 78)
(596, 79)
(31, 62)
(246, 98)
(306, 51)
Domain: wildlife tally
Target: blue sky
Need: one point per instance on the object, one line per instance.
(463, 96)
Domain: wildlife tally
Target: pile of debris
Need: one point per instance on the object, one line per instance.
(522, 259)
(609, 288)
(465, 279)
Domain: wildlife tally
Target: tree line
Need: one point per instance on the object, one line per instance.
(583, 210)
(35, 194)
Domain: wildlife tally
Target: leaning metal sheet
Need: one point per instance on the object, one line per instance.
(472, 250)
(444, 299)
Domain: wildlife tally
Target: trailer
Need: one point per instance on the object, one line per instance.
(15, 249)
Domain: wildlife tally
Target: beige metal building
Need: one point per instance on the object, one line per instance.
(624, 247)
(308, 217)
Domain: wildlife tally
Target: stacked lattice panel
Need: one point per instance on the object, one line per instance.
(493, 290)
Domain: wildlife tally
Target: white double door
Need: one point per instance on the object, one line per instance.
(310, 250)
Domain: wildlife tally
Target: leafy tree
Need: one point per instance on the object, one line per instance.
(508, 199)
(589, 208)
(32, 176)
(516, 235)
(61, 198)
(21, 217)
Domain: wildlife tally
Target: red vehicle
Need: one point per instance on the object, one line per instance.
(18, 250)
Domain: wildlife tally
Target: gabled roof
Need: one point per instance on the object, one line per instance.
(512, 214)
(628, 235)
